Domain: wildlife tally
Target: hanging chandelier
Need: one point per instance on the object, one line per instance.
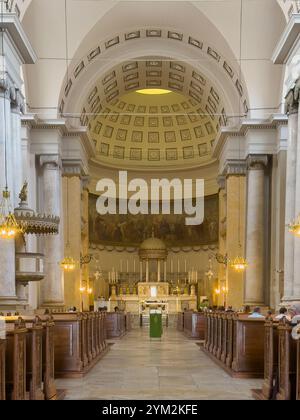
(9, 226)
(68, 264)
(294, 227)
(239, 264)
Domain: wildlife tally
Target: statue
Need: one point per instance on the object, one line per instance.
(24, 193)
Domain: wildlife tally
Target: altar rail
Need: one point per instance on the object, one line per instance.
(282, 363)
(193, 324)
(236, 343)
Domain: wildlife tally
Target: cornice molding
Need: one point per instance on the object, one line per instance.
(64, 130)
(275, 122)
(288, 40)
(12, 26)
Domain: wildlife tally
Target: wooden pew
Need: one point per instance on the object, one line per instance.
(79, 343)
(2, 369)
(298, 372)
(287, 351)
(50, 390)
(40, 357)
(34, 360)
(194, 325)
(128, 321)
(15, 361)
(268, 390)
(236, 343)
(115, 325)
(180, 321)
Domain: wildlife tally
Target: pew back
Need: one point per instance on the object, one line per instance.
(2, 369)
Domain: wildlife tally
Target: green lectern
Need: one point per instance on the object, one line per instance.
(156, 329)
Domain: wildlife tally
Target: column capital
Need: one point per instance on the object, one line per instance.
(292, 99)
(71, 170)
(235, 168)
(53, 161)
(257, 162)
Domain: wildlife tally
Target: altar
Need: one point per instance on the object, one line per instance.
(154, 296)
(153, 291)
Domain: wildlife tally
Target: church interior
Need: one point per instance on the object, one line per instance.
(122, 305)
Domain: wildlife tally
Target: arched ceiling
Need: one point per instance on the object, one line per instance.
(185, 77)
(20, 7)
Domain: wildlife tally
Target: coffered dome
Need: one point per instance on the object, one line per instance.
(150, 131)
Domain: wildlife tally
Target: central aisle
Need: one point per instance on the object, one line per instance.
(173, 369)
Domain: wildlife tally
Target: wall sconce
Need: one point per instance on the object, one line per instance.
(85, 260)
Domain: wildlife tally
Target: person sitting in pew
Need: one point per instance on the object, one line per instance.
(283, 313)
(256, 314)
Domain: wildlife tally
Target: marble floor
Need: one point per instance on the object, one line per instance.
(172, 369)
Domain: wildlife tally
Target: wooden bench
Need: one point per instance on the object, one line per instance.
(40, 381)
(180, 321)
(194, 325)
(236, 343)
(15, 361)
(115, 325)
(2, 369)
(268, 390)
(34, 360)
(79, 342)
(128, 321)
(287, 360)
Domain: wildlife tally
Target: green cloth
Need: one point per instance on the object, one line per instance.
(155, 325)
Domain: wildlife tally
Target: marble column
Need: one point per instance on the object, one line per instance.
(52, 287)
(165, 271)
(7, 246)
(292, 103)
(16, 145)
(72, 206)
(255, 231)
(235, 172)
